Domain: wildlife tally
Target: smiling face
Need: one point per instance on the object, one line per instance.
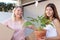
(18, 12)
(49, 11)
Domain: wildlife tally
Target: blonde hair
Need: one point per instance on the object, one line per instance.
(13, 15)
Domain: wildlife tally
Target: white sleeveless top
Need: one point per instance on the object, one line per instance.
(51, 30)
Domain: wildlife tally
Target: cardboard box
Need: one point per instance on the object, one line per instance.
(5, 32)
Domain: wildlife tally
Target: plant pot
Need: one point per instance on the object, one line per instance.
(40, 34)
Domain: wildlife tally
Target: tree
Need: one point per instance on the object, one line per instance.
(9, 6)
(2, 6)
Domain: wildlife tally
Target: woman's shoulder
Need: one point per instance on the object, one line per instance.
(24, 20)
(56, 20)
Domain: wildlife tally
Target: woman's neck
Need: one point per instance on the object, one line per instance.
(51, 18)
(18, 19)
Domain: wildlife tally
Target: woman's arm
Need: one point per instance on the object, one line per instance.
(53, 38)
(57, 26)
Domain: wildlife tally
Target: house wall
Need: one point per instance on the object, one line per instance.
(32, 11)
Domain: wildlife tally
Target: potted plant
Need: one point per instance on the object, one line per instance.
(40, 22)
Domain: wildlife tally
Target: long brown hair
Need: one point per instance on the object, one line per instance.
(55, 13)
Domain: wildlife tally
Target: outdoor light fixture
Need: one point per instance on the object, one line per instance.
(36, 3)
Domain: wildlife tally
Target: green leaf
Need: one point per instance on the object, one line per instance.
(39, 28)
(27, 23)
(40, 21)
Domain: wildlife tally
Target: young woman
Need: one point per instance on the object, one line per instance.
(16, 23)
(53, 32)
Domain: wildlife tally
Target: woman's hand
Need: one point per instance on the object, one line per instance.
(43, 38)
(32, 27)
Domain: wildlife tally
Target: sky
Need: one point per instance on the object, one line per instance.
(8, 1)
